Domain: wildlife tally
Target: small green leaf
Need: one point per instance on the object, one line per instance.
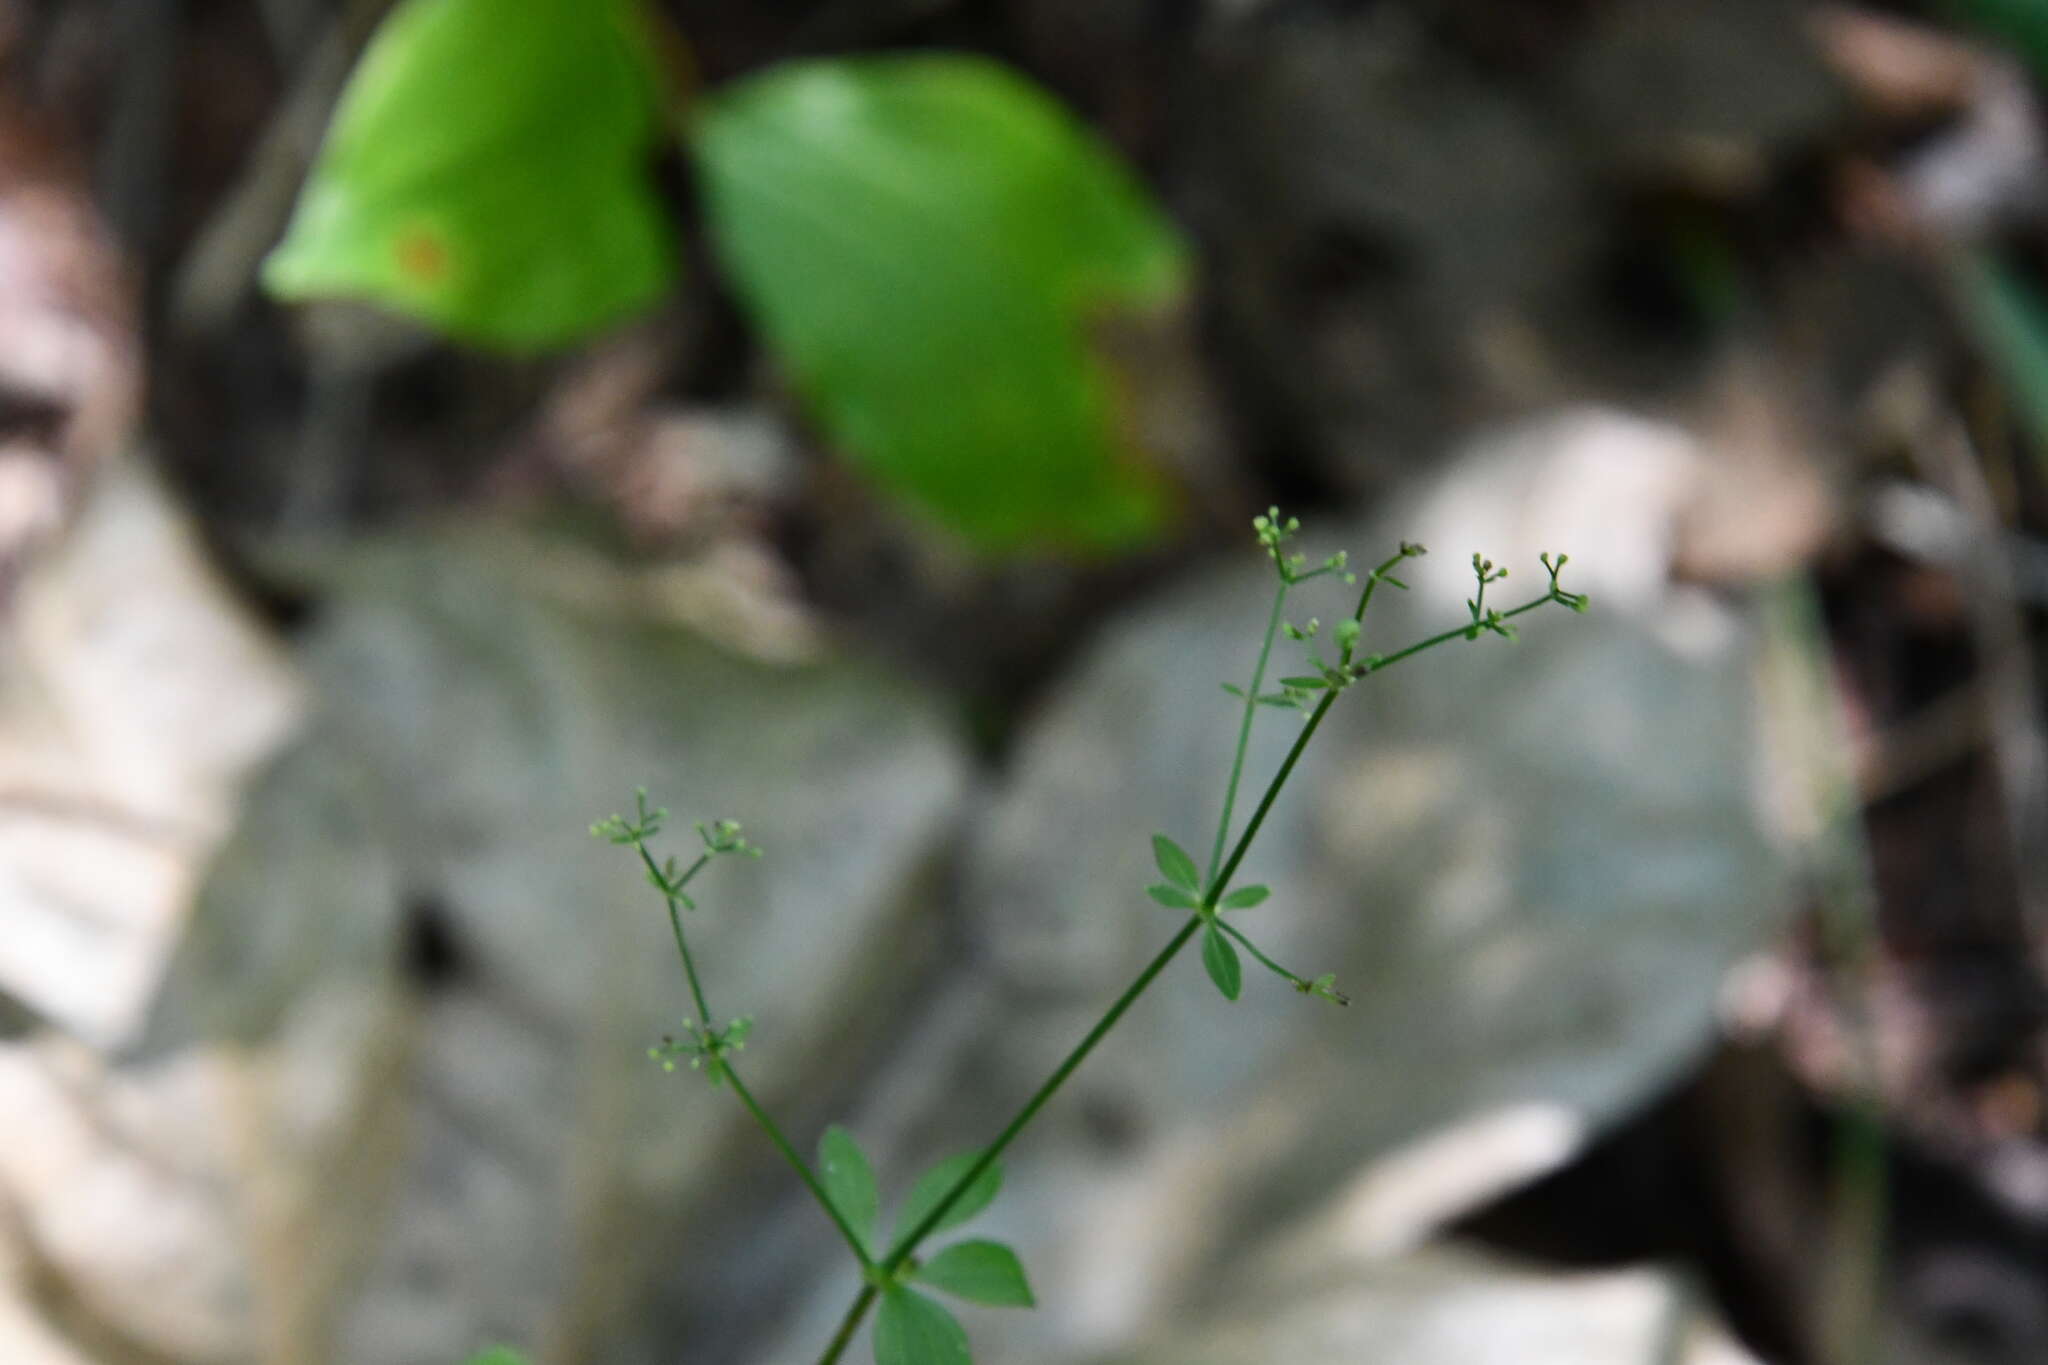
(1221, 960)
(1175, 864)
(487, 171)
(936, 249)
(850, 1182)
(911, 1329)
(1279, 699)
(1173, 898)
(980, 1271)
(1234, 690)
(498, 1355)
(1245, 897)
(1307, 684)
(931, 1187)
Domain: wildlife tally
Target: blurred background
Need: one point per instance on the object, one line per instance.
(846, 416)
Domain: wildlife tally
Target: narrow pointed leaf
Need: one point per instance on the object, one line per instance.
(1172, 897)
(980, 1271)
(1175, 864)
(850, 1182)
(1234, 690)
(1221, 959)
(933, 247)
(1306, 683)
(1245, 897)
(931, 1187)
(487, 172)
(911, 1329)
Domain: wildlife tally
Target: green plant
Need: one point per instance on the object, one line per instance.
(911, 1328)
(929, 244)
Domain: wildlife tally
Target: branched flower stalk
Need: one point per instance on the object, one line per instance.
(912, 1328)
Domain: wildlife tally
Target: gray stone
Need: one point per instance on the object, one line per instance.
(136, 696)
(1529, 864)
(449, 987)
(1449, 1308)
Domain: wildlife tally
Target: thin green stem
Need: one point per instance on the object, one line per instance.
(723, 1065)
(1299, 983)
(1463, 632)
(675, 921)
(796, 1161)
(848, 1326)
(1218, 886)
(905, 1244)
(1221, 882)
(1372, 581)
(1244, 729)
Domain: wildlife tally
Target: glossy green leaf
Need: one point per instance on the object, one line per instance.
(931, 1187)
(1175, 864)
(1245, 897)
(980, 1271)
(1173, 898)
(849, 1182)
(932, 244)
(487, 172)
(911, 1329)
(1221, 959)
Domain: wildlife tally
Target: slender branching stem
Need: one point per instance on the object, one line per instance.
(907, 1243)
(1244, 729)
(1298, 982)
(796, 1161)
(1463, 632)
(848, 1325)
(722, 1066)
(1219, 885)
(884, 1271)
(1372, 581)
(672, 893)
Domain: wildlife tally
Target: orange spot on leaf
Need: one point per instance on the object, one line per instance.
(422, 256)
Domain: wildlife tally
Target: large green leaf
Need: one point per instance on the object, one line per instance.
(487, 172)
(928, 241)
(912, 1330)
